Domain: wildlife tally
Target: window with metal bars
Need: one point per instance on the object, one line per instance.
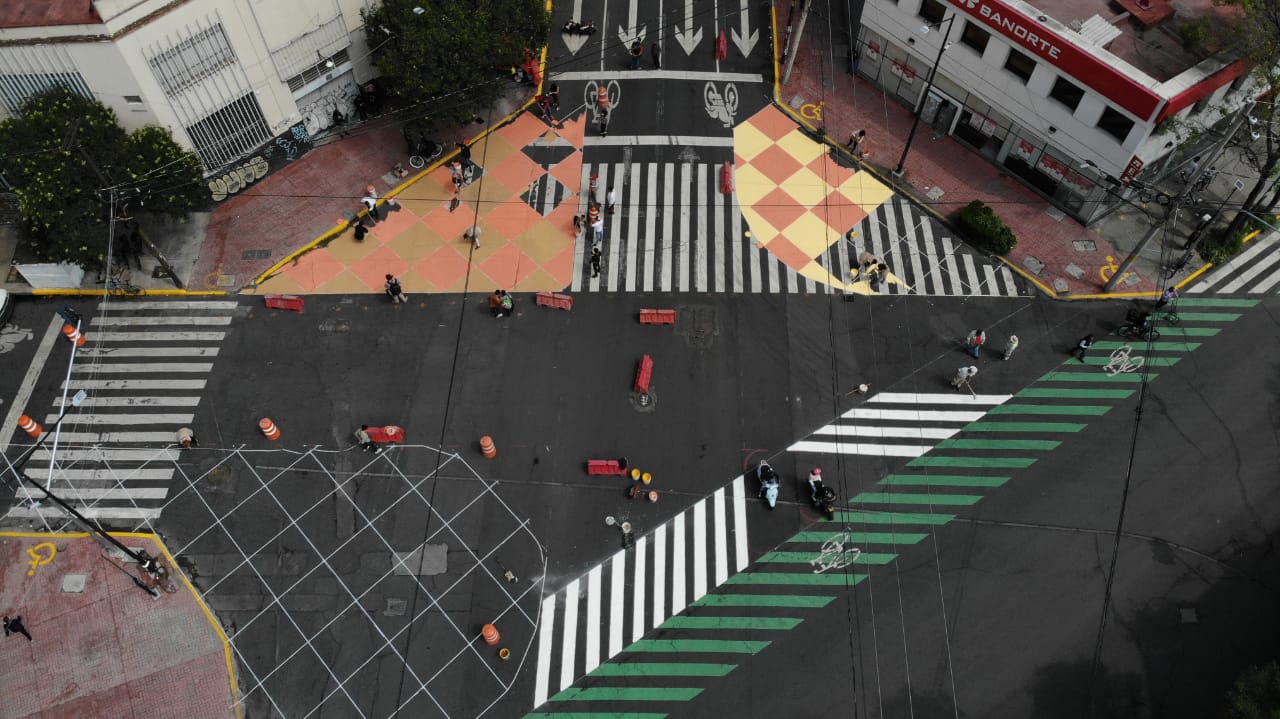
(315, 72)
(193, 59)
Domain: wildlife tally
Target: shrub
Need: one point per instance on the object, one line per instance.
(984, 230)
(1221, 248)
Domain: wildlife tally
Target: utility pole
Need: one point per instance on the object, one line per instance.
(794, 41)
(1171, 212)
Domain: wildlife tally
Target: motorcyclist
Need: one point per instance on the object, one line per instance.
(366, 443)
(768, 477)
(815, 483)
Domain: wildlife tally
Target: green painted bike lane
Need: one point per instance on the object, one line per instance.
(817, 564)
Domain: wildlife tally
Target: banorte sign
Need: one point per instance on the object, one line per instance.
(1080, 65)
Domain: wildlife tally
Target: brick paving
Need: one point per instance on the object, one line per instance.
(1072, 255)
(108, 650)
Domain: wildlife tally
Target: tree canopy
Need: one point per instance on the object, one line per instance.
(63, 151)
(1256, 694)
(445, 56)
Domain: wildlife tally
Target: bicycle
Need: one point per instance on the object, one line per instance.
(1137, 332)
(118, 285)
(424, 151)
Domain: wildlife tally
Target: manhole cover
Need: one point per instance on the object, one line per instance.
(74, 583)
(395, 608)
(225, 281)
(698, 325)
(336, 325)
(255, 255)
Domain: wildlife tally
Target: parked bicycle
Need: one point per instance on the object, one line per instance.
(118, 285)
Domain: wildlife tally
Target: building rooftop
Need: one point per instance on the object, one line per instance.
(47, 13)
(1144, 34)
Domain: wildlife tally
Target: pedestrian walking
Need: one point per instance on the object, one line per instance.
(394, 291)
(370, 202)
(1169, 295)
(578, 221)
(187, 438)
(656, 56)
(604, 122)
(1010, 346)
(637, 49)
(595, 260)
(598, 228)
(1082, 347)
(365, 441)
(610, 197)
(554, 95)
(361, 231)
(500, 303)
(14, 626)
(963, 375)
(866, 261)
(877, 275)
(473, 233)
(855, 140)
(973, 343)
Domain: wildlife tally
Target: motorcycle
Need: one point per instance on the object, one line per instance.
(769, 483)
(823, 497)
(576, 28)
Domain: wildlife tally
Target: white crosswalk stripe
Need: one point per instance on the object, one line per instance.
(1255, 270)
(694, 549)
(113, 458)
(913, 424)
(673, 230)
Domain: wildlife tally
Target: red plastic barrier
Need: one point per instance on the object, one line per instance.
(722, 46)
(726, 179)
(283, 302)
(657, 317)
(644, 375)
(554, 299)
(606, 467)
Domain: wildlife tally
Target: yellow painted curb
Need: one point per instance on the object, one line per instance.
(226, 643)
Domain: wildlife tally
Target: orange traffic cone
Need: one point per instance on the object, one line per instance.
(269, 428)
(73, 335)
(490, 634)
(30, 426)
(487, 447)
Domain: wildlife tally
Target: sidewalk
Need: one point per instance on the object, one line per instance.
(1061, 256)
(100, 645)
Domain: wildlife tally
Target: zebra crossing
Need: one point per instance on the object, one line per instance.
(617, 602)
(673, 230)
(1255, 270)
(946, 452)
(143, 370)
(896, 424)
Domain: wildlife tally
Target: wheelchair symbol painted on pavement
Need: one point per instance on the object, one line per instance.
(810, 111)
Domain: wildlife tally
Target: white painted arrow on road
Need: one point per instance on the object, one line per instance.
(690, 38)
(747, 39)
(630, 34)
(571, 41)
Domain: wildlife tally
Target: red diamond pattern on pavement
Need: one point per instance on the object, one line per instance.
(444, 267)
(781, 165)
(779, 208)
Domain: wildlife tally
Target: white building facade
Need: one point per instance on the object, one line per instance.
(226, 77)
(1042, 99)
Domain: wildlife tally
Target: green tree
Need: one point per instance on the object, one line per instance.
(1255, 36)
(1256, 694)
(450, 58)
(63, 151)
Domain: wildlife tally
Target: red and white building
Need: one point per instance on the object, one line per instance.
(1061, 96)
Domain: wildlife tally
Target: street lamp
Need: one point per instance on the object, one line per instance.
(928, 85)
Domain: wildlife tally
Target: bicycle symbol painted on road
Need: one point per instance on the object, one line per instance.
(613, 95)
(1121, 362)
(721, 106)
(834, 555)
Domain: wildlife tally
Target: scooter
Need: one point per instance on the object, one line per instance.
(769, 483)
(823, 497)
(576, 28)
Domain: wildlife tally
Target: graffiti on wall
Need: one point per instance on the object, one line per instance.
(278, 152)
